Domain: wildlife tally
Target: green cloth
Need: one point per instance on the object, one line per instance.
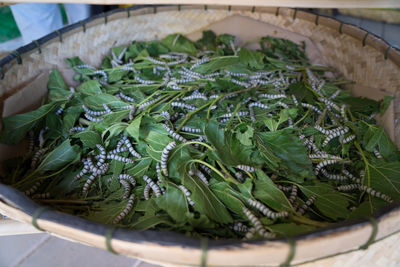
(8, 27)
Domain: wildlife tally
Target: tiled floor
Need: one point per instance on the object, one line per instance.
(47, 251)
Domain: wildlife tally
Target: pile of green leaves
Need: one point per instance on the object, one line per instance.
(273, 144)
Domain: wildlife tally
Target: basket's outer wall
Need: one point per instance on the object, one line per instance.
(373, 66)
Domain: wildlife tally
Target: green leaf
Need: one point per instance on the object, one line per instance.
(16, 127)
(244, 134)
(385, 177)
(205, 200)
(59, 157)
(99, 100)
(147, 222)
(173, 202)
(290, 150)
(91, 87)
(179, 43)
(89, 138)
(328, 201)
(385, 103)
(376, 136)
(140, 168)
(58, 89)
(217, 63)
(251, 58)
(134, 128)
(225, 193)
(266, 191)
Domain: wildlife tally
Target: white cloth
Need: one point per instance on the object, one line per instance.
(36, 20)
(77, 12)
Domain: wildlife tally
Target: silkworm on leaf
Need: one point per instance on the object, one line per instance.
(255, 221)
(153, 186)
(200, 175)
(266, 211)
(36, 157)
(33, 188)
(126, 210)
(246, 168)
(306, 205)
(174, 134)
(128, 178)
(187, 194)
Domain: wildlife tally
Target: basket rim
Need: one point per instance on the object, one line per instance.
(16, 199)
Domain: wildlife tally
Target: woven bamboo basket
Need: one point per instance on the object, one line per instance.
(355, 53)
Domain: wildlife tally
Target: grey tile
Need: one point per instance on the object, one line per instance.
(62, 253)
(16, 247)
(392, 34)
(375, 27)
(349, 19)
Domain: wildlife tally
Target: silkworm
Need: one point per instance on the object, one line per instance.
(351, 176)
(177, 115)
(306, 105)
(142, 81)
(128, 178)
(187, 194)
(147, 103)
(306, 205)
(329, 103)
(165, 114)
(205, 169)
(85, 66)
(284, 188)
(184, 80)
(247, 100)
(41, 196)
(174, 134)
(348, 139)
(368, 190)
(343, 113)
(93, 119)
(77, 129)
(41, 139)
(119, 158)
(126, 210)
(59, 111)
(236, 74)
(128, 68)
(127, 188)
(266, 211)
(246, 168)
(335, 177)
(335, 94)
(200, 175)
(156, 61)
(334, 134)
(89, 182)
(311, 76)
(146, 192)
(325, 163)
(36, 157)
(377, 154)
(102, 73)
(240, 227)
(164, 157)
(132, 112)
(183, 105)
(190, 129)
(240, 114)
(295, 100)
(213, 96)
(282, 104)
(293, 194)
(130, 148)
(102, 155)
(257, 224)
(244, 84)
(33, 188)
(199, 62)
(31, 140)
(228, 96)
(153, 186)
(118, 150)
(272, 96)
(195, 96)
(239, 176)
(324, 155)
(83, 171)
(325, 131)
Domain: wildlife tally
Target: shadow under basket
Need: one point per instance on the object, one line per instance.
(357, 55)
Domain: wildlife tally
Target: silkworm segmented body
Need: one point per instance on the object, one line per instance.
(348, 139)
(324, 155)
(199, 62)
(102, 73)
(351, 176)
(377, 154)
(331, 176)
(130, 148)
(126, 210)
(240, 227)
(368, 190)
(119, 158)
(205, 168)
(142, 81)
(284, 188)
(195, 96)
(266, 211)
(165, 114)
(33, 188)
(240, 114)
(282, 104)
(295, 100)
(164, 157)
(199, 174)
(293, 194)
(31, 140)
(132, 112)
(93, 119)
(41, 196)
(241, 83)
(334, 134)
(85, 66)
(83, 171)
(153, 186)
(118, 150)
(127, 188)
(146, 104)
(272, 96)
(329, 103)
(174, 134)
(183, 105)
(41, 139)
(246, 168)
(306, 205)
(306, 105)
(125, 97)
(325, 163)
(187, 194)
(190, 129)
(102, 155)
(146, 192)
(36, 157)
(257, 224)
(77, 129)
(128, 178)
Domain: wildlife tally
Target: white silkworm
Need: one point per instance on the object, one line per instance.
(187, 194)
(272, 96)
(329, 103)
(146, 104)
(132, 112)
(165, 114)
(325, 163)
(190, 129)
(199, 62)
(332, 135)
(125, 97)
(126, 210)
(130, 148)
(257, 224)
(295, 100)
(164, 157)
(377, 154)
(266, 211)
(327, 132)
(154, 187)
(343, 113)
(195, 96)
(335, 94)
(213, 96)
(311, 76)
(282, 104)
(240, 227)
(41, 139)
(365, 188)
(244, 84)
(306, 105)
(102, 73)
(205, 168)
(228, 96)
(146, 192)
(89, 182)
(284, 188)
(128, 67)
(93, 119)
(246, 168)
(85, 66)
(119, 158)
(323, 155)
(247, 100)
(156, 61)
(183, 105)
(33, 188)
(102, 155)
(36, 157)
(306, 205)
(127, 188)
(107, 110)
(240, 114)
(142, 81)
(77, 129)
(351, 176)
(41, 196)
(236, 74)
(200, 175)
(174, 134)
(128, 178)
(348, 139)
(118, 150)
(335, 177)
(293, 194)
(259, 105)
(83, 171)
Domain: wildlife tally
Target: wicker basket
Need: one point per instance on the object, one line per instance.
(355, 53)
